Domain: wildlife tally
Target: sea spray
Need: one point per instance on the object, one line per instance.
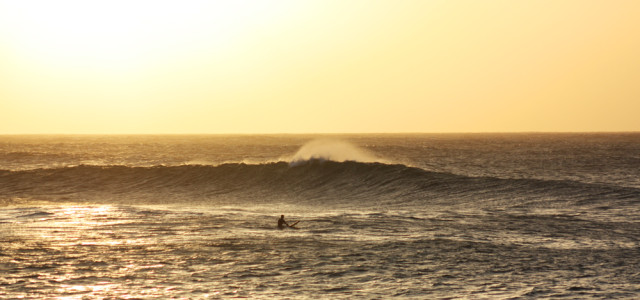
(333, 150)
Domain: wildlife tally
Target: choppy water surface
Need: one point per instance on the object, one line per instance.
(120, 251)
(409, 225)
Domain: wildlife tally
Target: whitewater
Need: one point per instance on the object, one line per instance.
(417, 216)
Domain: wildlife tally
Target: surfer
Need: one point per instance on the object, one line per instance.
(282, 222)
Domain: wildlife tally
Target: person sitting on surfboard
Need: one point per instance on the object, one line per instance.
(282, 222)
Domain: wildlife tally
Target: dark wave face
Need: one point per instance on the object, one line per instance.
(314, 182)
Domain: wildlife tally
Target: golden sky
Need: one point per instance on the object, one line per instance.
(319, 66)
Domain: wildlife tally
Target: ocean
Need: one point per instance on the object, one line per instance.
(415, 216)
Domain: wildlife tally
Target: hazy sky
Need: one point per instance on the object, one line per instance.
(319, 66)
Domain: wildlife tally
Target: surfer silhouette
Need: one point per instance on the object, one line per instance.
(282, 222)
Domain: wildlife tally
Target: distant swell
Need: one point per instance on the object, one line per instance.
(314, 182)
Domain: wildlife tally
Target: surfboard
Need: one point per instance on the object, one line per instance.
(294, 224)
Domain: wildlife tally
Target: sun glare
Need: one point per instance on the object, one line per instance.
(124, 35)
(112, 65)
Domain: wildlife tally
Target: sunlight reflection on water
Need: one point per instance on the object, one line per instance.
(124, 252)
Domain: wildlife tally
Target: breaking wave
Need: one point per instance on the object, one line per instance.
(313, 182)
(333, 150)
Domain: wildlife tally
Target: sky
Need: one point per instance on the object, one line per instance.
(327, 66)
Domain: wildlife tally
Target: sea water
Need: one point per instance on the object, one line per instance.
(499, 216)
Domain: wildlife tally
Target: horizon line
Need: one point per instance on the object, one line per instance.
(327, 133)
